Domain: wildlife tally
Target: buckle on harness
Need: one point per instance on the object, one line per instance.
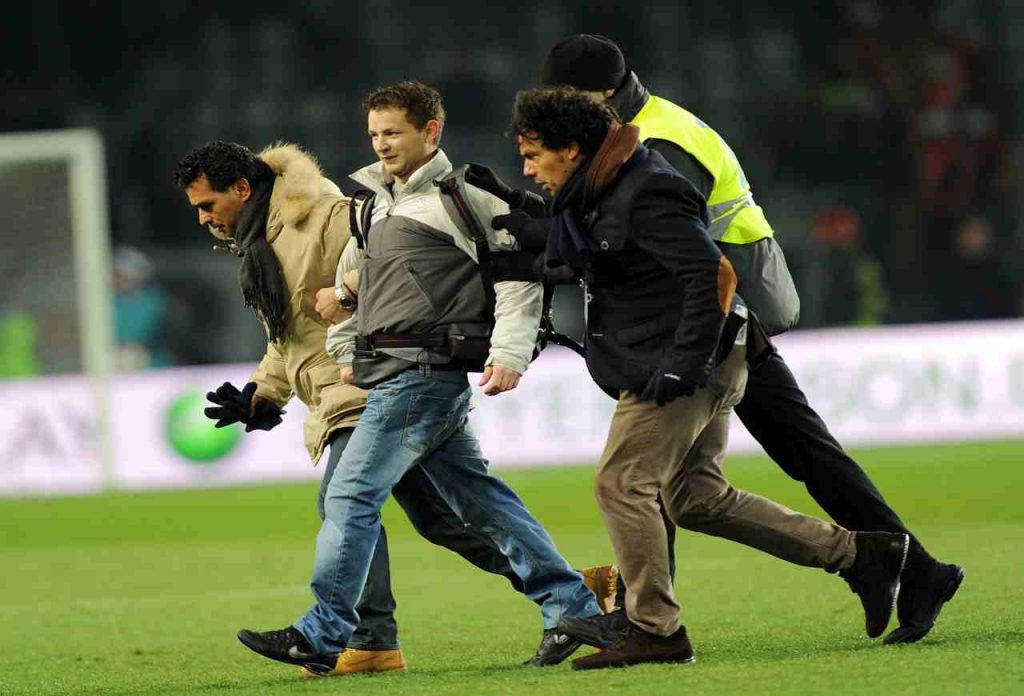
(364, 348)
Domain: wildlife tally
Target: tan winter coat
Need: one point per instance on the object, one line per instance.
(307, 227)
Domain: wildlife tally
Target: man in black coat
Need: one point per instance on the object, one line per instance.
(774, 408)
(667, 337)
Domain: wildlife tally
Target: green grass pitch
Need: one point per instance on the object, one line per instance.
(143, 594)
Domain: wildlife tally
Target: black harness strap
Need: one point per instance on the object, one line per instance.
(548, 334)
(420, 340)
(361, 225)
(450, 188)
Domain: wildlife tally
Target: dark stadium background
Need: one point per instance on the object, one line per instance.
(881, 137)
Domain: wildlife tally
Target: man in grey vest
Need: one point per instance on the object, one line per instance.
(422, 303)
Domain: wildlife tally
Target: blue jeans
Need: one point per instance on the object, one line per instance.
(436, 522)
(419, 419)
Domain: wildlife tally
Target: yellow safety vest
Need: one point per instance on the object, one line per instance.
(735, 218)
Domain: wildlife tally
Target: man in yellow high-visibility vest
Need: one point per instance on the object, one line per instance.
(774, 408)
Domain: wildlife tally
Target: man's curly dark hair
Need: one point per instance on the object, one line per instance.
(420, 102)
(560, 117)
(223, 164)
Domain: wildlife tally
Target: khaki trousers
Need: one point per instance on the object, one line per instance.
(677, 450)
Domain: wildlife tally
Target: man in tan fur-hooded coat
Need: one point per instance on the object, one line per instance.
(305, 228)
(290, 224)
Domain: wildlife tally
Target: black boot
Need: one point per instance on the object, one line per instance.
(875, 576)
(637, 646)
(922, 595)
(600, 631)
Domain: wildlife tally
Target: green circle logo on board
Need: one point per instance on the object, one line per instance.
(192, 434)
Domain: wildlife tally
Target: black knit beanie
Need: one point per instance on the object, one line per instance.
(584, 61)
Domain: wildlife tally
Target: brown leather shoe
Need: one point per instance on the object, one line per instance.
(638, 646)
(354, 661)
(601, 580)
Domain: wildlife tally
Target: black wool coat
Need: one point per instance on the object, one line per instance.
(657, 286)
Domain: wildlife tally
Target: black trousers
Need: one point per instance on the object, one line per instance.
(431, 516)
(776, 412)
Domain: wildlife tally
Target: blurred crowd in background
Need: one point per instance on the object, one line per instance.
(880, 137)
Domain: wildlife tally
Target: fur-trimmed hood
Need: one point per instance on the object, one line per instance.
(307, 228)
(299, 187)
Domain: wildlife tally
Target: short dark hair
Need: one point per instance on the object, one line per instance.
(561, 117)
(421, 102)
(223, 164)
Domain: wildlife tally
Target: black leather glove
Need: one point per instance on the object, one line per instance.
(483, 177)
(665, 387)
(531, 233)
(233, 406)
(517, 265)
(518, 199)
(558, 275)
(529, 266)
(530, 203)
(266, 415)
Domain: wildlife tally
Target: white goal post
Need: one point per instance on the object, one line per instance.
(81, 151)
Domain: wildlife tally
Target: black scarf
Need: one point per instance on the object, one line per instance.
(566, 244)
(260, 275)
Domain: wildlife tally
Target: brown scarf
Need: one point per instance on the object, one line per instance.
(618, 146)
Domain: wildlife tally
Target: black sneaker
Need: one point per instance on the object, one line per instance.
(921, 598)
(600, 631)
(554, 648)
(637, 646)
(875, 576)
(290, 646)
